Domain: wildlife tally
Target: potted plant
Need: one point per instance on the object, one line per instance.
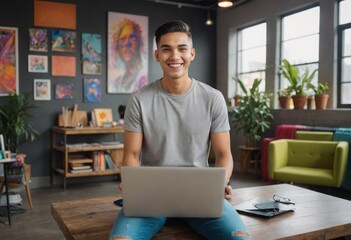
(253, 114)
(321, 97)
(284, 97)
(299, 83)
(15, 122)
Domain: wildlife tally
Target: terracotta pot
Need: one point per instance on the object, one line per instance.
(299, 101)
(285, 102)
(321, 101)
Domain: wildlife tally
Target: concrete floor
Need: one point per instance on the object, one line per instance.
(38, 224)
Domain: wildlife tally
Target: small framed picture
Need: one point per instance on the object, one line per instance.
(64, 90)
(42, 89)
(37, 63)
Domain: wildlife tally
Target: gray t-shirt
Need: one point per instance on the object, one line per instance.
(176, 129)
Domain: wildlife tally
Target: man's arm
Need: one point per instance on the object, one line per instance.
(223, 156)
(132, 148)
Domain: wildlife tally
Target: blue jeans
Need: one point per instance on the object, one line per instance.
(228, 226)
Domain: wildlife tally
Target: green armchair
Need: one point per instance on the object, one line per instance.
(308, 162)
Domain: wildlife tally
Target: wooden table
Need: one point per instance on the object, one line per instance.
(249, 155)
(317, 216)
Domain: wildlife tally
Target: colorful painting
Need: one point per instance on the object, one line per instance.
(91, 47)
(64, 91)
(92, 90)
(63, 41)
(63, 66)
(42, 89)
(8, 60)
(38, 39)
(37, 63)
(127, 52)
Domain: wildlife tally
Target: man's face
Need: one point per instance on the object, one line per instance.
(174, 53)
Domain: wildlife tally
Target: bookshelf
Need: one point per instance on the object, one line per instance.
(63, 150)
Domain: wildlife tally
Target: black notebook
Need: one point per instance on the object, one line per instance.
(264, 208)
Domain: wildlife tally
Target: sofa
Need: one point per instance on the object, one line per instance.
(308, 162)
(291, 131)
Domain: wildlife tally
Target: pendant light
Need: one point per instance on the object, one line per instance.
(209, 21)
(225, 3)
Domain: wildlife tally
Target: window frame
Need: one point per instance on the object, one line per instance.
(238, 41)
(340, 29)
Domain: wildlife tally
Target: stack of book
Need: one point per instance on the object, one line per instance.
(80, 163)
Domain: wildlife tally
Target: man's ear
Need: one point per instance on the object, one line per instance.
(193, 54)
(156, 55)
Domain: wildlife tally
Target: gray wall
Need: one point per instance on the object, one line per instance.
(92, 18)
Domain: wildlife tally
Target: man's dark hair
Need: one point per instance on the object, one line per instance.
(169, 27)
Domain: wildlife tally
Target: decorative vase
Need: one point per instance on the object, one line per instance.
(285, 102)
(299, 101)
(321, 101)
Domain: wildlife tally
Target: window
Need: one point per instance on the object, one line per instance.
(300, 41)
(251, 55)
(344, 54)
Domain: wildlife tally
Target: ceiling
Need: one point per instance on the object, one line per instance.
(204, 4)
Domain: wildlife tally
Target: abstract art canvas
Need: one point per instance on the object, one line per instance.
(38, 39)
(8, 60)
(91, 47)
(37, 63)
(92, 90)
(63, 41)
(127, 52)
(64, 91)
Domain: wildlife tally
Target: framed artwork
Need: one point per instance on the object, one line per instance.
(8, 60)
(64, 66)
(38, 39)
(92, 90)
(63, 41)
(42, 89)
(91, 47)
(64, 90)
(91, 68)
(102, 115)
(37, 63)
(127, 52)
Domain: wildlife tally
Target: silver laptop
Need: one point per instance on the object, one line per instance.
(173, 191)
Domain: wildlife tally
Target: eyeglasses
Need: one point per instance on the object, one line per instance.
(272, 206)
(283, 200)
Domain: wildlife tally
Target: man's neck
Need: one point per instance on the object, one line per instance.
(176, 86)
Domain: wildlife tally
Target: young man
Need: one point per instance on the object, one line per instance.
(173, 122)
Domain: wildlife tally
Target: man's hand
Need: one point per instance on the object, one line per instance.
(228, 192)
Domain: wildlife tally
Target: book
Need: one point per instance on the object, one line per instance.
(81, 167)
(109, 162)
(81, 170)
